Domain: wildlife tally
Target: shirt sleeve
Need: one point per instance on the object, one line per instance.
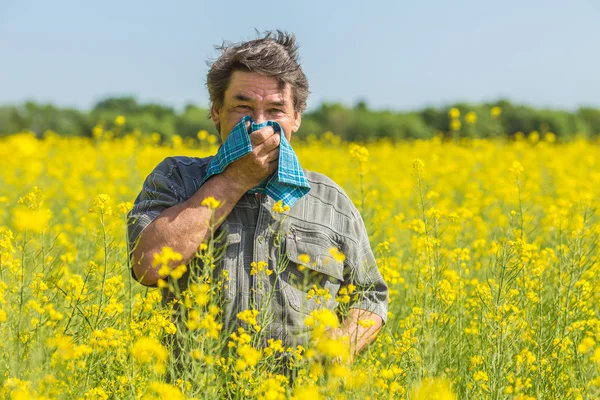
(361, 270)
(162, 189)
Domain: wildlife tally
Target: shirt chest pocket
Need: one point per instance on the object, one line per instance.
(312, 276)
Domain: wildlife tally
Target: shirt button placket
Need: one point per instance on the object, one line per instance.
(261, 250)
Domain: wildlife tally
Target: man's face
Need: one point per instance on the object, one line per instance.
(261, 98)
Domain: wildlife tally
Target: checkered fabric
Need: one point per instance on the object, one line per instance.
(287, 184)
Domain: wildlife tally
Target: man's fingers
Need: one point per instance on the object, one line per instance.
(273, 155)
(272, 166)
(268, 145)
(258, 137)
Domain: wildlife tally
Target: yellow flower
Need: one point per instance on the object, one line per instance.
(211, 203)
(98, 131)
(337, 254)
(31, 220)
(476, 360)
(165, 257)
(455, 125)
(454, 113)
(17, 389)
(366, 323)
(148, 350)
(120, 120)
(471, 118)
(32, 199)
(258, 267)
(161, 390)
(96, 393)
(202, 135)
(124, 207)
(248, 316)
(596, 356)
(480, 376)
(66, 349)
(517, 168)
(434, 389)
(178, 272)
(319, 293)
(321, 320)
(495, 112)
(201, 293)
(177, 141)
(587, 343)
(250, 356)
(197, 354)
(304, 258)
(332, 348)
(534, 137)
(306, 392)
(280, 208)
(272, 388)
(275, 346)
(359, 152)
(339, 371)
(418, 165)
(101, 203)
(343, 296)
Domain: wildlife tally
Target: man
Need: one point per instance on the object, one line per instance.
(262, 79)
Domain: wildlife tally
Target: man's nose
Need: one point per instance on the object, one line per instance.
(259, 117)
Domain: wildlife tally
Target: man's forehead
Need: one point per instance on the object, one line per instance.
(245, 86)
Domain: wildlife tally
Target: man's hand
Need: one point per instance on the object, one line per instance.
(359, 335)
(253, 168)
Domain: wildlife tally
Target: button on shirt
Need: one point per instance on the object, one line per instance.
(322, 220)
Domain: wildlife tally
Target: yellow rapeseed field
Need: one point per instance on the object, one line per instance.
(489, 249)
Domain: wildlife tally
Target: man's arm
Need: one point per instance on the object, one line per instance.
(183, 227)
(186, 225)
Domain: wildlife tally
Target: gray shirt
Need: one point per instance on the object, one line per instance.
(323, 220)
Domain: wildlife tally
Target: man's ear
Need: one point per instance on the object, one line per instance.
(215, 114)
(297, 120)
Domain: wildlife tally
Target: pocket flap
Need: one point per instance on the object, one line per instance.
(320, 258)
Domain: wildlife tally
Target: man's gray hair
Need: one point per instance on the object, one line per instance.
(275, 54)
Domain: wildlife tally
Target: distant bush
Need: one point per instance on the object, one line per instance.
(359, 123)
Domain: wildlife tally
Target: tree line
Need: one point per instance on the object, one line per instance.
(357, 123)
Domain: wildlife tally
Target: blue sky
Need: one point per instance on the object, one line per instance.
(394, 54)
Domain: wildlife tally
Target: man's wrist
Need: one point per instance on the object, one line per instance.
(221, 188)
(232, 185)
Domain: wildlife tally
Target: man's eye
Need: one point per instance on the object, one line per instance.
(275, 110)
(242, 107)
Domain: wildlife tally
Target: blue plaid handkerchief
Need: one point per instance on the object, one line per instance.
(287, 184)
